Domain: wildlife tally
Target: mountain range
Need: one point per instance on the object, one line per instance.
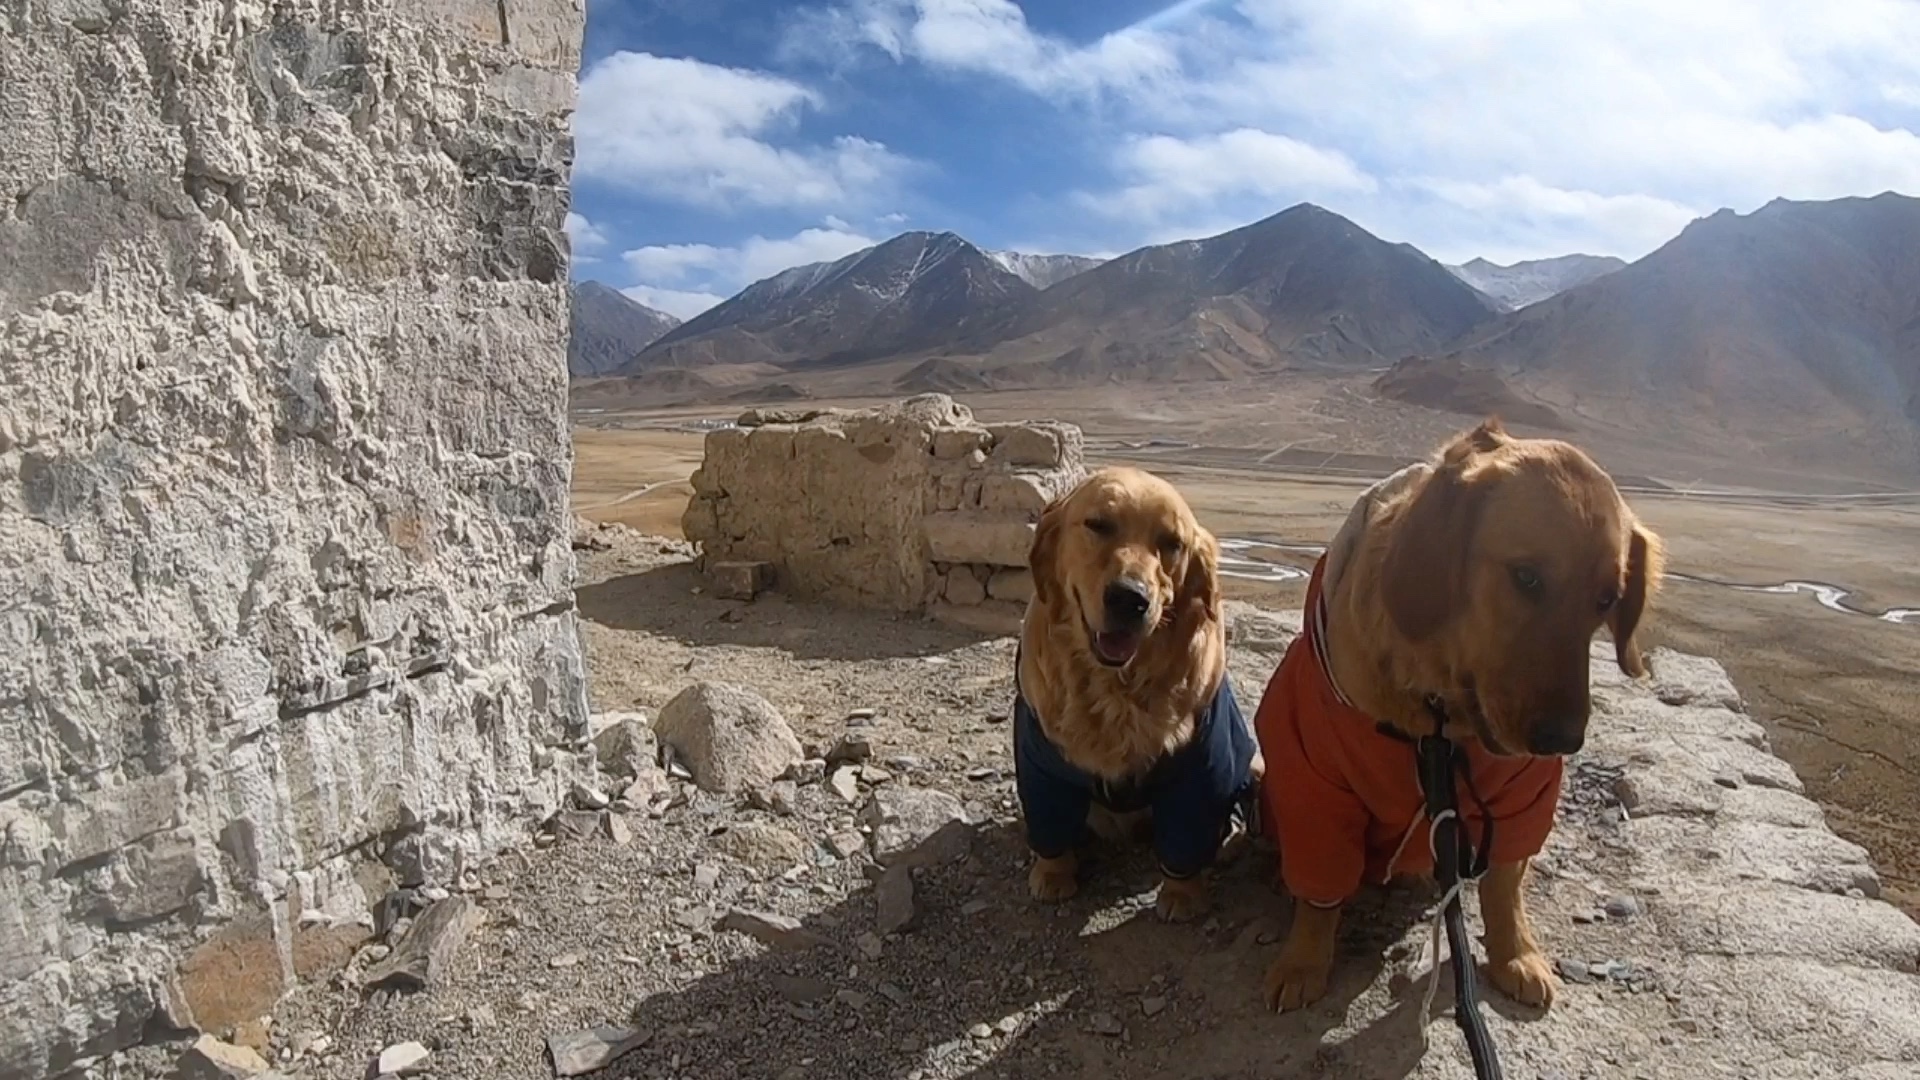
(1793, 327)
(1514, 287)
(608, 328)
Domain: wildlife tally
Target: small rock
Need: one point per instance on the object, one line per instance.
(480, 1018)
(740, 580)
(772, 930)
(625, 744)
(893, 899)
(1599, 970)
(649, 783)
(870, 946)
(861, 716)
(905, 763)
(980, 1031)
(845, 783)
(1588, 918)
(895, 994)
(1727, 780)
(874, 775)
(921, 826)
(780, 797)
(852, 999)
(730, 738)
(706, 875)
(564, 960)
(577, 824)
(1575, 971)
(845, 843)
(404, 1059)
(982, 773)
(806, 771)
(210, 1059)
(1153, 1006)
(1008, 1024)
(376, 953)
(849, 749)
(1105, 1023)
(319, 1045)
(975, 907)
(587, 797)
(595, 1048)
(1622, 907)
(762, 845)
(617, 829)
(496, 893)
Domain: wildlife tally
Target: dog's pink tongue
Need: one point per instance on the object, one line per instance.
(1116, 647)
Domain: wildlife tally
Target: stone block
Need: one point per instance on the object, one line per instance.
(740, 580)
(154, 877)
(1011, 585)
(1041, 444)
(953, 444)
(964, 587)
(994, 618)
(970, 538)
(115, 816)
(1015, 493)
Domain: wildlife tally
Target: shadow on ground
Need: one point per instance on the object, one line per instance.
(662, 601)
(1095, 987)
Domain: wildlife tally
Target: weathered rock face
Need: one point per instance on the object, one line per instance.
(908, 507)
(285, 572)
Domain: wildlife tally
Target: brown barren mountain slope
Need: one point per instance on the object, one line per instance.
(1792, 333)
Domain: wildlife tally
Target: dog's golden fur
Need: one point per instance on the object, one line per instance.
(1484, 583)
(1114, 722)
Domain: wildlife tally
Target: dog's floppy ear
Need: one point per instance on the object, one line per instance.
(1424, 577)
(1043, 555)
(1200, 581)
(1646, 561)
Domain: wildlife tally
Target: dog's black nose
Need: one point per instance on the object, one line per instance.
(1127, 601)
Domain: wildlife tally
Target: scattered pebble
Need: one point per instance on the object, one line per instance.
(587, 797)
(770, 929)
(861, 716)
(1575, 971)
(980, 1031)
(564, 960)
(1622, 907)
(403, 1059)
(849, 749)
(1153, 1006)
(844, 782)
(706, 876)
(595, 1048)
(846, 843)
(1105, 1023)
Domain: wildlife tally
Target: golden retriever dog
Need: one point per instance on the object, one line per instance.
(1122, 706)
(1462, 591)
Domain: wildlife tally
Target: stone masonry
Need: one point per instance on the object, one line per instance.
(285, 565)
(907, 507)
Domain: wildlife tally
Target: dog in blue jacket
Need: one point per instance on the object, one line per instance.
(1122, 703)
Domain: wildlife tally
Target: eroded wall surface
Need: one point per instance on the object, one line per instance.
(285, 564)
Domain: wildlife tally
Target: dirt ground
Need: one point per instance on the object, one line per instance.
(1838, 692)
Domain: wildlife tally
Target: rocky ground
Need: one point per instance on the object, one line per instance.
(866, 915)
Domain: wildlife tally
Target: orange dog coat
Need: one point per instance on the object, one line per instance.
(1343, 796)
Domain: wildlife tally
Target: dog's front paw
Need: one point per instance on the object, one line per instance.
(1295, 981)
(1053, 880)
(1527, 979)
(1181, 900)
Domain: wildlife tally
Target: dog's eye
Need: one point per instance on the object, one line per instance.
(1527, 580)
(1170, 545)
(1607, 600)
(1100, 526)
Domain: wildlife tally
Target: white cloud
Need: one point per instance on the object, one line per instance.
(1170, 177)
(705, 274)
(1519, 124)
(680, 303)
(587, 238)
(983, 36)
(706, 135)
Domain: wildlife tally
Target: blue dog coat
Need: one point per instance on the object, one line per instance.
(1194, 791)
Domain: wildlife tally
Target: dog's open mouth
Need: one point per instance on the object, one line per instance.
(1114, 648)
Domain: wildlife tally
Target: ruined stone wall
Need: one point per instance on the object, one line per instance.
(909, 507)
(285, 565)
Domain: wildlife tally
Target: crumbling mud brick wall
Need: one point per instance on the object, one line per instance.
(908, 507)
(285, 565)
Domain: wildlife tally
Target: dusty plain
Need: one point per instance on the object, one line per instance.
(1838, 691)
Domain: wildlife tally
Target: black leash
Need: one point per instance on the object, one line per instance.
(1455, 860)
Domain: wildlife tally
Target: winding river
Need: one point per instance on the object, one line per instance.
(1236, 561)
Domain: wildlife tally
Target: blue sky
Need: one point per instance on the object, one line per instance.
(720, 141)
